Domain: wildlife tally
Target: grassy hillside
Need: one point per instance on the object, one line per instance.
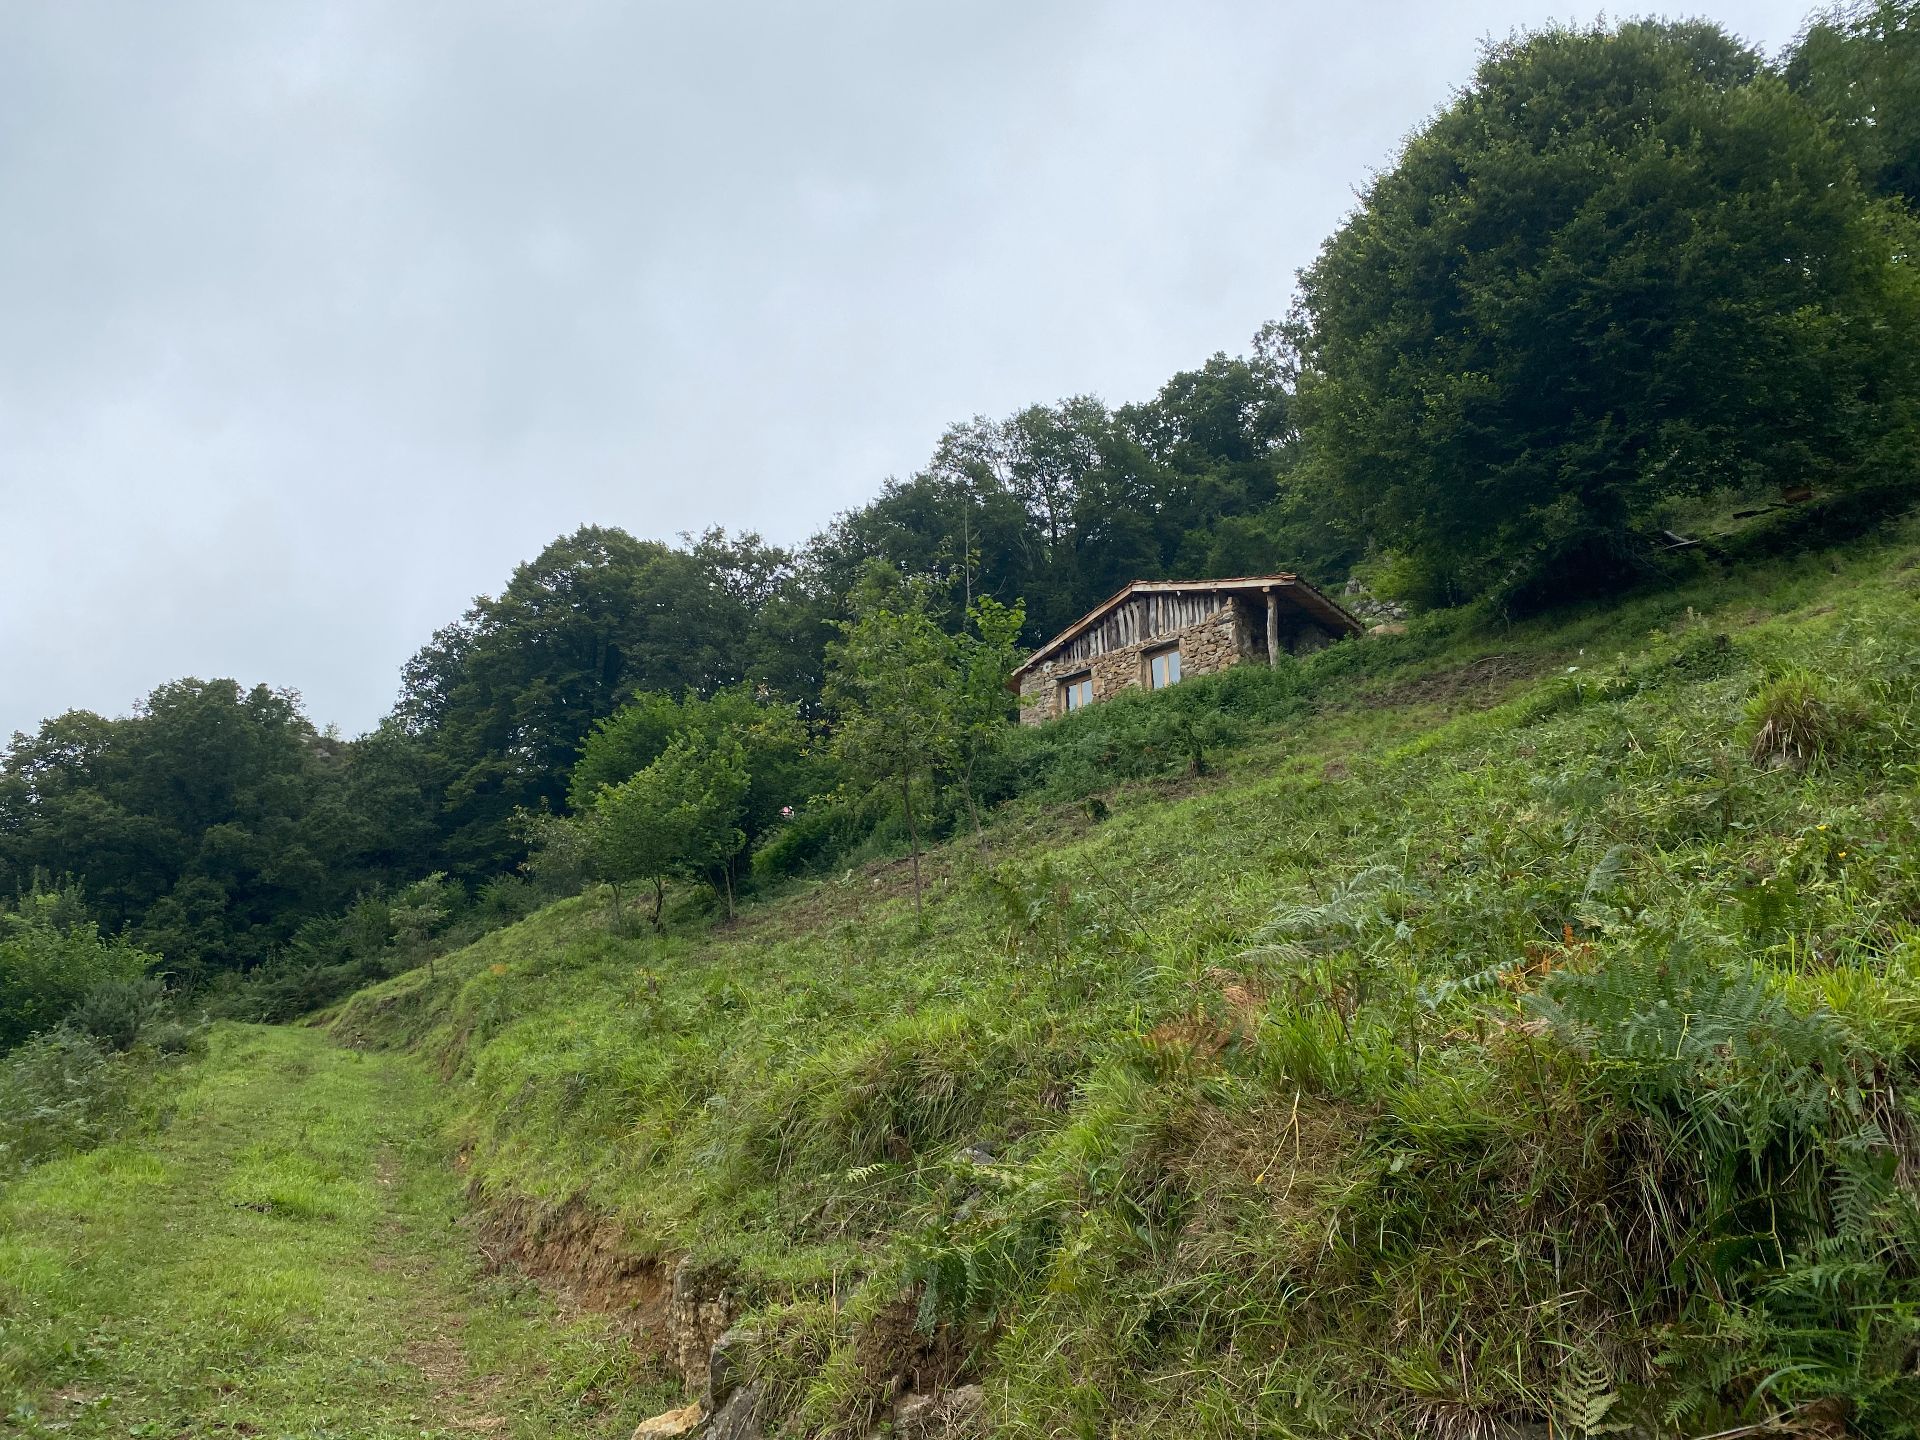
(1514, 1029)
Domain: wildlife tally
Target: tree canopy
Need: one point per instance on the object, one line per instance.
(1859, 66)
(1624, 266)
(680, 815)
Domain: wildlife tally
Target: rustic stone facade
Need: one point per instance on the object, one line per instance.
(1214, 625)
(1226, 637)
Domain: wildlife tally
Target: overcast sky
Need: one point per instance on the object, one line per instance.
(317, 319)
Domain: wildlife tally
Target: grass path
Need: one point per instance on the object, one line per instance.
(284, 1259)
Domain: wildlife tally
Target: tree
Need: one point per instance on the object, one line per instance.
(563, 851)
(982, 706)
(891, 687)
(678, 816)
(504, 699)
(767, 732)
(712, 780)
(624, 743)
(418, 913)
(1215, 441)
(1060, 505)
(1859, 65)
(208, 823)
(1624, 266)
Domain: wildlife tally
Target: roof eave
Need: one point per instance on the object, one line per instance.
(1305, 595)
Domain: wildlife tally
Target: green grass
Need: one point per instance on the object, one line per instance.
(283, 1258)
(1488, 1039)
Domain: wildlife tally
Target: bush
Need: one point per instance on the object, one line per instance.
(172, 1037)
(288, 987)
(811, 841)
(60, 1092)
(1140, 735)
(560, 858)
(118, 1012)
(507, 898)
(47, 966)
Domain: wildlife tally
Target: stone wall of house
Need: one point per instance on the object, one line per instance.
(1228, 636)
(1036, 695)
(1368, 607)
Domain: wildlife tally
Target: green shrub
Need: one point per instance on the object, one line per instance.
(118, 1012)
(293, 984)
(507, 898)
(172, 1038)
(60, 1092)
(812, 841)
(49, 962)
(1139, 735)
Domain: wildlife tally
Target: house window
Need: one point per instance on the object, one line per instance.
(1076, 692)
(1163, 669)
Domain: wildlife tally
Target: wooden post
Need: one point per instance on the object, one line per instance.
(1273, 629)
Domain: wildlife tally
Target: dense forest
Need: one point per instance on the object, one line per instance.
(1632, 278)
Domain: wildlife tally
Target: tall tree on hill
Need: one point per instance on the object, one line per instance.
(767, 733)
(1060, 505)
(913, 703)
(1625, 265)
(1215, 441)
(890, 687)
(984, 654)
(956, 524)
(680, 815)
(504, 698)
(192, 821)
(1859, 65)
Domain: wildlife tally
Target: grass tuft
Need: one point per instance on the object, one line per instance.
(1793, 723)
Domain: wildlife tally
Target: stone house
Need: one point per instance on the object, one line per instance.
(1155, 633)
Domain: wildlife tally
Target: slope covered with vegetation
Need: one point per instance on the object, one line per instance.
(1516, 1026)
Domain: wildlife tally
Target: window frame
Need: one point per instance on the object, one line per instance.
(1157, 658)
(1072, 684)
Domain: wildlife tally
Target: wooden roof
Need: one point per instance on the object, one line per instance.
(1289, 587)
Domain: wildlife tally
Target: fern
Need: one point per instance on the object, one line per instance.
(1584, 1397)
(1604, 878)
(1360, 909)
(1433, 994)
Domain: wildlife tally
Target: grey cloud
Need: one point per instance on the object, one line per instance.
(316, 319)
